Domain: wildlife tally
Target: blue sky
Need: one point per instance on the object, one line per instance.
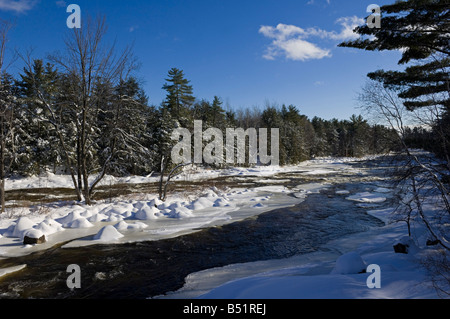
(247, 52)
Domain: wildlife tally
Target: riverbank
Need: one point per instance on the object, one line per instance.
(315, 275)
(151, 248)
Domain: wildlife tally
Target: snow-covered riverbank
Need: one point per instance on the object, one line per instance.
(338, 270)
(305, 276)
(327, 274)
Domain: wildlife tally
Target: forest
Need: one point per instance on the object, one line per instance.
(71, 115)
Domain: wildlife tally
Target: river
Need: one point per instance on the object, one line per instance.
(151, 268)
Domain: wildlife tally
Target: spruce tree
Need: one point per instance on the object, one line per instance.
(40, 148)
(8, 143)
(179, 95)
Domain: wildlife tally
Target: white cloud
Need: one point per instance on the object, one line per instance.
(61, 3)
(348, 25)
(311, 2)
(319, 83)
(288, 40)
(291, 41)
(18, 6)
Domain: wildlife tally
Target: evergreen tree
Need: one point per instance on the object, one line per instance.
(420, 29)
(40, 145)
(359, 136)
(8, 125)
(124, 131)
(218, 118)
(179, 96)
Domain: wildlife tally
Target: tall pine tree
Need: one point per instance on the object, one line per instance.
(179, 96)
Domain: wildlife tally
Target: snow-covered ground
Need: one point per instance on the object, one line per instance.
(329, 273)
(191, 173)
(136, 220)
(332, 273)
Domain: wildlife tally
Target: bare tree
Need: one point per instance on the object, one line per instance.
(88, 61)
(162, 190)
(419, 175)
(85, 63)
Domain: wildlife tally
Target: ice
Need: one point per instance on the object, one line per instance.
(367, 197)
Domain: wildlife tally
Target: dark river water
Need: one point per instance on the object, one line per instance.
(146, 269)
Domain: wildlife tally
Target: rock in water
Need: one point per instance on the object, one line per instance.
(33, 237)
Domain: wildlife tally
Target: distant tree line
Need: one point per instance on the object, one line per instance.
(129, 136)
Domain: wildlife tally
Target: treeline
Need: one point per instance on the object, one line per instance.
(127, 135)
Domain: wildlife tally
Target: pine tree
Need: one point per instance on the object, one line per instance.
(7, 108)
(359, 136)
(179, 96)
(8, 105)
(40, 146)
(123, 127)
(420, 29)
(217, 114)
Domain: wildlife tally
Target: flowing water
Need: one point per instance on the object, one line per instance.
(146, 269)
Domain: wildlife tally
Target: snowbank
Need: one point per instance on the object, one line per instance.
(107, 234)
(190, 173)
(349, 263)
(401, 275)
(338, 271)
(137, 220)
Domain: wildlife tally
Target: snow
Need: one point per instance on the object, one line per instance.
(367, 197)
(349, 263)
(79, 223)
(107, 234)
(334, 272)
(147, 213)
(338, 271)
(18, 227)
(32, 233)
